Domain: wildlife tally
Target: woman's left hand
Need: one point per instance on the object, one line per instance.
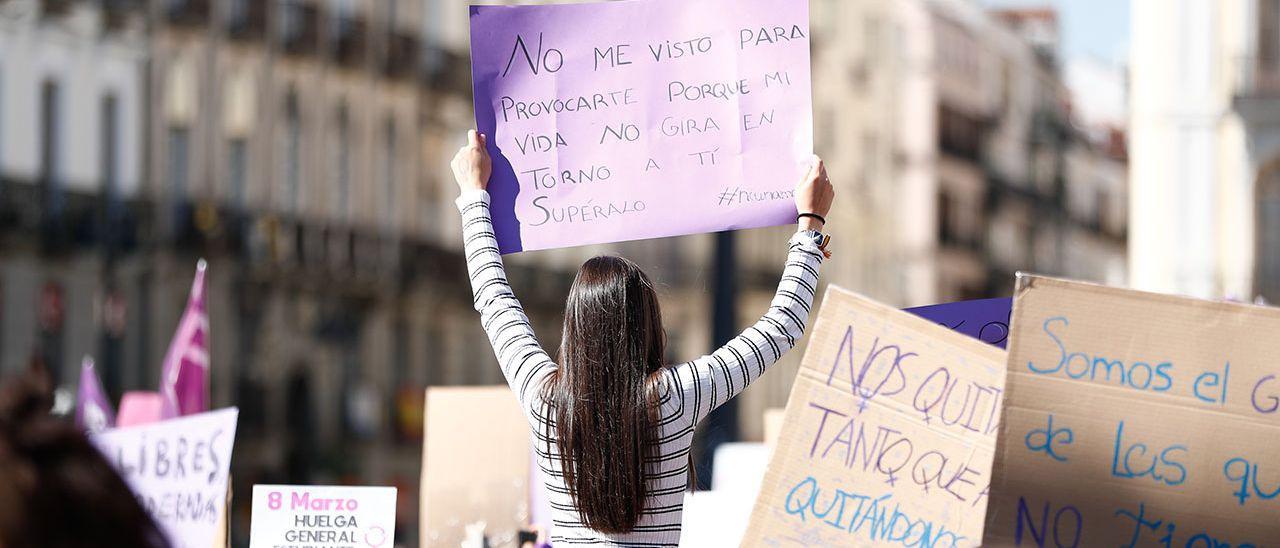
(472, 165)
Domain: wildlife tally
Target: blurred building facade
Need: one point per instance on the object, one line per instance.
(1257, 100)
(301, 146)
(71, 108)
(960, 158)
(1206, 147)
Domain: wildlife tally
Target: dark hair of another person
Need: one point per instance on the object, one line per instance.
(56, 489)
(603, 398)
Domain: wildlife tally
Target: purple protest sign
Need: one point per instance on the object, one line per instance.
(93, 409)
(641, 119)
(986, 319)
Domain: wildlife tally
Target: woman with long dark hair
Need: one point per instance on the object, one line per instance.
(613, 423)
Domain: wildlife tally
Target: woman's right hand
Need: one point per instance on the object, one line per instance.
(815, 193)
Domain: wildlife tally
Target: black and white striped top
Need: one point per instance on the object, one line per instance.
(691, 391)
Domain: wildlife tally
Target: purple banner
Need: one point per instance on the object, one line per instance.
(986, 320)
(641, 119)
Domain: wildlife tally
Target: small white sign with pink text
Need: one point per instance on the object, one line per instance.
(294, 516)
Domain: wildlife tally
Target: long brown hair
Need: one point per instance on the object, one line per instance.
(603, 398)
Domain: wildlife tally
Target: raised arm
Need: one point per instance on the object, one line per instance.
(524, 363)
(709, 381)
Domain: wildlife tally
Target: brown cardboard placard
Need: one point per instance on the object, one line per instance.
(475, 465)
(1136, 419)
(887, 436)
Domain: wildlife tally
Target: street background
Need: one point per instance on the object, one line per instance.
(301, 147)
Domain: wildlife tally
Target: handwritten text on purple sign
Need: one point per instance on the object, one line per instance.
(641, 119)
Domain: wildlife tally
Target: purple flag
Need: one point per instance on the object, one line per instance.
(93, 409)
(184, 378)
(986, 320)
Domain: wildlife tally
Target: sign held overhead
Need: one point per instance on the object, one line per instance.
(619, 121)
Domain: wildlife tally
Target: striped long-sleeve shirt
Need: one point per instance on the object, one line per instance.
(688, 393)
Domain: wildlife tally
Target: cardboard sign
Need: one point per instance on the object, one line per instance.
(178, 469)
(985, 319)
(620, 121)
(888, 434)
(475, 465)
(297, 516)
(1135, 419)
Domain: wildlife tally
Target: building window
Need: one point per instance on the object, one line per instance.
(389, 173)
(2, 122)
(959, 134)
(246, 18)
(432, 27)
(1268, 236)
(51, 314)
(342, 167)
(179, 154)
(110, 149)
(292, 153)
(2, 319)
(237, 170)
(946, 217)
(50, 145)
(298, 26)
(1102, 211)
(290, 21)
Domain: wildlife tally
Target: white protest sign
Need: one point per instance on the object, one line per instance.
(298, 516)
(178, 469)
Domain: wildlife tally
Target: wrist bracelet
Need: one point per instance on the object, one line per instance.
(814, 216)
